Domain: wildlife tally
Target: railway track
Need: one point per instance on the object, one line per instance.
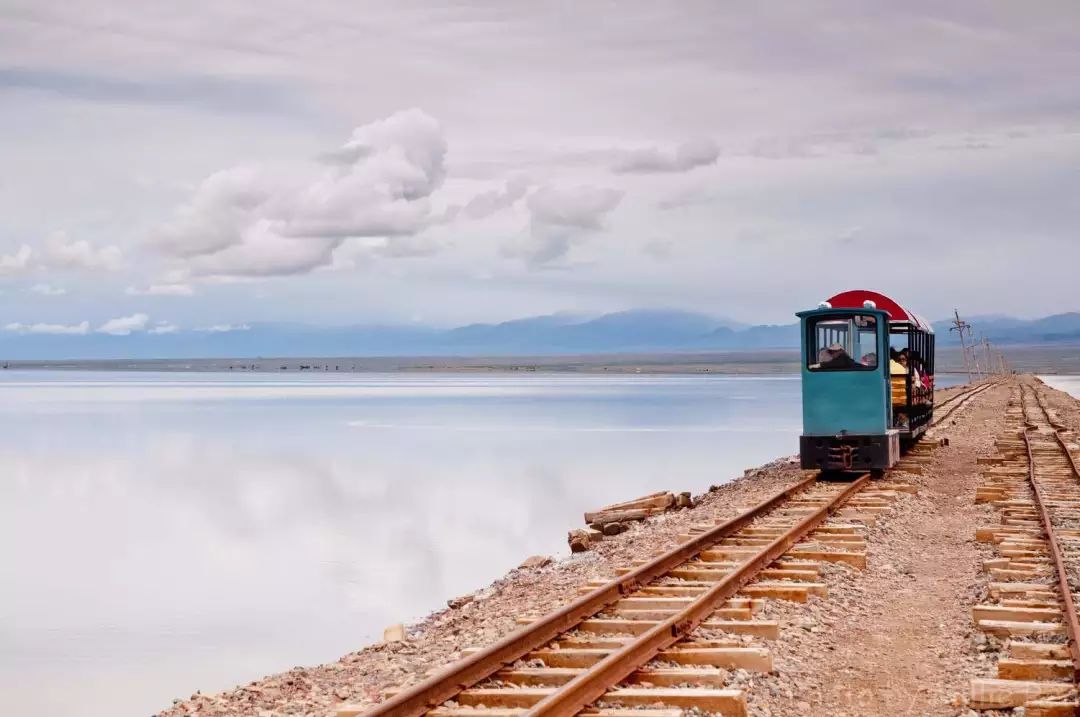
(1035, 484)
(662, 637)
(945, 410)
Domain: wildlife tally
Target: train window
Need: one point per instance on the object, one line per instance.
(866, 340)
(846, 343)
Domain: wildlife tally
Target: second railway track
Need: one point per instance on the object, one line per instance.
(947, 408)
(1031, 599)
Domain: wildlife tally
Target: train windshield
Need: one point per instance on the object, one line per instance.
(846, 343)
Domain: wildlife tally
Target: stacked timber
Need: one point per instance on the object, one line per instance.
(614, 519)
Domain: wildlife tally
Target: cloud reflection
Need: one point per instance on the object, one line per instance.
(206, 541)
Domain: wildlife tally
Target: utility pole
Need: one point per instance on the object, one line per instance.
(960, 327)
(989, 358)
(975, 359)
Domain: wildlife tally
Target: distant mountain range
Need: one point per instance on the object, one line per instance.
(636, 331)
(1056, 329)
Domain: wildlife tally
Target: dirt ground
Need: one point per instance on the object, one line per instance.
(894, 639)
(898, 637)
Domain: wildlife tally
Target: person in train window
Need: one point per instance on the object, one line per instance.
(869, 359)
(920, 368)
(835, 357)
(908, 360)
(896, 366)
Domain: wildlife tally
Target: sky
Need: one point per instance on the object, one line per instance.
(212, 165)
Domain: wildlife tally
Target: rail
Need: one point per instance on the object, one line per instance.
(961, 400)
(810, 501)
(1072, 621)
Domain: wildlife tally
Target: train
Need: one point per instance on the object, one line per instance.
(867, 382)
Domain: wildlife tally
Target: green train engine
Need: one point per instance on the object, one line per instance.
(867, 382)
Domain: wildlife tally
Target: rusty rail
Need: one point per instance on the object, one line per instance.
(591, 685)
(461, 675)
(961, 399)
(1072, 622)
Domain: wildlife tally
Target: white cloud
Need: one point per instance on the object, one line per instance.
(561, 218)
(252, 221)
(224, 328)
(60, 253)
(20, 328)
(48, 290)
(124, 325)
(686, 156)
(160, 290)
(163, 327)
(485, 204)
(16, 263)
(581, 207)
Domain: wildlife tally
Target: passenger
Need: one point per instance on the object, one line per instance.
(916, 377)
(920, 367)
(869, 359)
(835, 357)
(896, 366)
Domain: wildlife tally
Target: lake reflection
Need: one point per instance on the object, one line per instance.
(163, 533)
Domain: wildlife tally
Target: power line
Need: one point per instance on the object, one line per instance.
(960, 327)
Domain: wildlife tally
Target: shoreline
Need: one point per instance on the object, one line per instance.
(1041, 359)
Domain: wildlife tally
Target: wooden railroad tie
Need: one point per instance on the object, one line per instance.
(1037, 670)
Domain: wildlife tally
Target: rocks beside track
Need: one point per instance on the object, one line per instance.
(440, 638)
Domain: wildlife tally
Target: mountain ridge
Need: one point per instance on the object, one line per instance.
(630, 331)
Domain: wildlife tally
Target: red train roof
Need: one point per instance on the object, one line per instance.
(855, 299)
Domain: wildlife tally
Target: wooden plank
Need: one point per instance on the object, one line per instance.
(988, 694)
(569, 658)
(730, 703)
(477, 712)
(857, 560)
(503, 697)
(778, 589)
(592, 642)
(1002, 628)
(792, 593)
(997, 589)
(757, 659)
(730, 613)
(697, 574)
(1011, 669)
(538, 676)
(1002, 574)
(1038, 651)
(1047, 708)
(618, 516)
(660, 499)
(1015, 614)
(617, 627)
(768, 629)
(781, 574)
(609, 712)
(666, 677)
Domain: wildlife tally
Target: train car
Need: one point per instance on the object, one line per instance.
(867, 382)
